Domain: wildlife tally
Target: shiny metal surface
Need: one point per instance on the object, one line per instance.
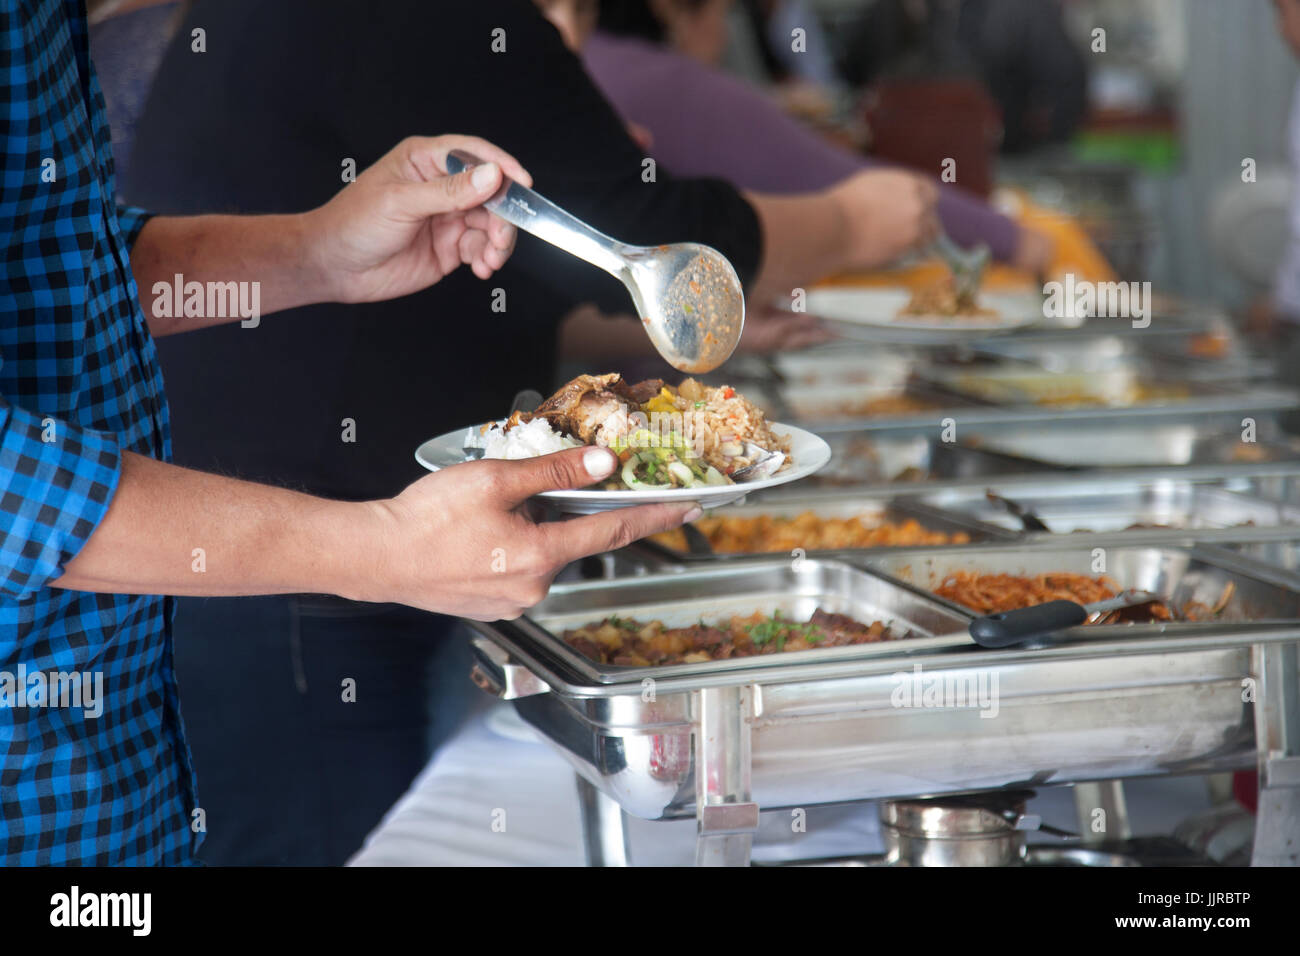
(1149, 699)
(1177, 573)
(883, 460)
(1108, 505)
(1209, 405)
(1283, 555)
(1076, 856)
(823, 739)
(841, 404)
(959, 831)
(966, 265)
(841, 505)
(1123, 445)
(796, 587)
(688, 296)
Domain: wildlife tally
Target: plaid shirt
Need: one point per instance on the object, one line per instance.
(79, 385)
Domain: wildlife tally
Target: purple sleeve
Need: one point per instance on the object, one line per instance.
(707, 123)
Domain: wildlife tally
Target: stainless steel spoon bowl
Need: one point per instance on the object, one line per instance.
(689, 297)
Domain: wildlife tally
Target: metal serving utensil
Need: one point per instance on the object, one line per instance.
(688, 295)
(966, 265)
(1023, 624)
(765, 464)
(1028, 520)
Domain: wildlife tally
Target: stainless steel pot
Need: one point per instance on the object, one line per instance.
(976, 830)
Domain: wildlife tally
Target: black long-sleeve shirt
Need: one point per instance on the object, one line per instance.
(263, 121)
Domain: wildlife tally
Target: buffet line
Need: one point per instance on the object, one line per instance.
(811, 644)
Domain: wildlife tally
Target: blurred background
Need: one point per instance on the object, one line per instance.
(1140, 141)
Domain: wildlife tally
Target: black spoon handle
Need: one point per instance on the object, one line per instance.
(1012, 627)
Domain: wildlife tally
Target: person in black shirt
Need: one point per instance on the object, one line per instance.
(286, 98)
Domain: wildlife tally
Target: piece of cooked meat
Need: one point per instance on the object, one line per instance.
(641, 392)
(596, 408)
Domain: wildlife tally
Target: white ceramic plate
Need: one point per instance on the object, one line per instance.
(809, 452)
(873, 313)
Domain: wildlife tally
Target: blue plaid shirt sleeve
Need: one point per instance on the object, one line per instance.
(130, 220)
(58, 480)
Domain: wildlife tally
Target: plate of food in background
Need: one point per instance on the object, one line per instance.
(932, 311)
(690, 442)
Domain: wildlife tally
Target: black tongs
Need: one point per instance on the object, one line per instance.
(1027, 623)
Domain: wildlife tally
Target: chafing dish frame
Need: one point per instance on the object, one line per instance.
(748, 736)
(1223, 513)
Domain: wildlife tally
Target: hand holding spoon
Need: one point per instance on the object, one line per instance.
(688, 295)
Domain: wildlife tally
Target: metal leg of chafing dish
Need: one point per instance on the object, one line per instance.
(604, 827)
(1277, 734)
(1102, 812)
(726, 815)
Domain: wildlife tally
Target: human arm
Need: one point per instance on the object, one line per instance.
(705, 122)
(402, 226)
(455, 542)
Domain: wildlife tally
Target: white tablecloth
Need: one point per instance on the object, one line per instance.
(496, 795)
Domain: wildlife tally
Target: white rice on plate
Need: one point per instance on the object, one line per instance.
(528, 440)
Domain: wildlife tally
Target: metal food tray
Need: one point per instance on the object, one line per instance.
(1017, 383)
(822, 403)
(1221, 406)
(842, 505)
(889, 459)
(842, 365)
(796, 588)
(1178, 573)
(1111, 505)
(1120, 445)
(1281, 554)
(790, 730)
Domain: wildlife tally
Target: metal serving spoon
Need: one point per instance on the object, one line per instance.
(1015, 627)
(1028, 520)
(966, 265)
(765, 464)
(688, 296)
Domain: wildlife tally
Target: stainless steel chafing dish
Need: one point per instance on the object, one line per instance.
(1221, 406)
(1282, 554)
(844, 505)
(1167, 507)
(844, 404)
(1179, 574)
(871, 459)
(721, 740)
(1123, 445)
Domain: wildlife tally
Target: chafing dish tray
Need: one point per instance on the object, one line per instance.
(722, 739)
(838, 364)
(1282, 554)
(897, 403)
(1221, 406)
(873, 510)
(1178, 573)
(1159, 508)
(795, 587)
(1120, 384)
(1120, 445)
(885, 459)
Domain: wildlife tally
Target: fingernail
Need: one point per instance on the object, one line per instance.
(692, 515)
(483, 175)
(599, 462)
